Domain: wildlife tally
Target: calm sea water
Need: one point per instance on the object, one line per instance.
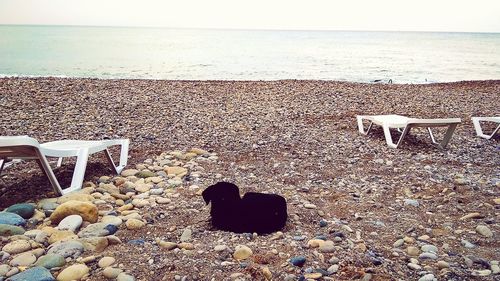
(192, 54)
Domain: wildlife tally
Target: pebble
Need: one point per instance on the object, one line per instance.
(50, 261)
(427, 277)
(411, 202)
(24, 210)
(220, 248)
(429, 248)
(333, 269)
(471, 216)
(73, 272)
(125, 277)
(414, 266)
(97, 230)
(129, 172)
(429, 255)
(484, 230)
(327, 247)
(267, 273)
(111, 272)
(162, 200)
(4, 268)
(114, 220)
(24, 259)
(242, 252)
(398, 243)
(166, 245)
(9, 230)
(412, 251)
(86, 210)
(467, 244)
(298, 261)
(310, 206)
(17, 246)
(11, 219)
(67, 249)
(33, 274)
(484, 272)
(106, 261)
(134, 224)
(72, 223)
(186, 235)
(442, 264)
(139, 203)
(145, 174)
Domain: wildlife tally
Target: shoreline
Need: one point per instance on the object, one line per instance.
(35, 77)
(296, 138)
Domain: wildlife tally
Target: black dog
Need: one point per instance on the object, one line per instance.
(255, 212)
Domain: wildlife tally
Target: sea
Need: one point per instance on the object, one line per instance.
(212, 54)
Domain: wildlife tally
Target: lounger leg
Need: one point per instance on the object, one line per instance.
(447, 136)
(388, 137)
(123, 157)
(45, 166)
(79, 172)
(59, 162)
(2, 162)
(361, 128)
(479, 130)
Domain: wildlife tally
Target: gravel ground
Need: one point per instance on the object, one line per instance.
(295, 138)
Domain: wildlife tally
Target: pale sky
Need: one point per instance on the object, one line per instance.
(405, 15)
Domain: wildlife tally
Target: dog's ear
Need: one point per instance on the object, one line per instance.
(208, 194)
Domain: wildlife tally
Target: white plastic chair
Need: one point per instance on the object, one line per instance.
(479, 130)
(404, 124)
(24, 147)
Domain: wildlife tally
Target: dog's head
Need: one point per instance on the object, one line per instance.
(220, 192)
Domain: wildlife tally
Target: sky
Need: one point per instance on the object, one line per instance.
(392, 15)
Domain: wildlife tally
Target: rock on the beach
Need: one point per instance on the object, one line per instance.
(114, 220)
(125, 277)
(24, 210)
(72, 223)
(111, 272)
(11, 219)
(23, 259)
(97, 244)
(33, 274)
(484, 230)
(17, 246)
(67, 249)
(166, 245)
(61, 235)
(177, 171)
(75, 196)
(298, 261)
(50, 261)
(139, 203)
(134, 224)
(8, 230)
(427, 277)
(242, 252)
(106, 261)
(73, 272)
(145, 174)
(86, 210)
(327, 247)
(97, 230)
(129, 172)
(186, 235)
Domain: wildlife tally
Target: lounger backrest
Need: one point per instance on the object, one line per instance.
(19, 147)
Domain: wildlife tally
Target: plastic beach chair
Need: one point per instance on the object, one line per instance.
(404, 124)
(24, 147)
(479, 130)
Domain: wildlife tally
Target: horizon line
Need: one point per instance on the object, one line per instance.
(245, 29)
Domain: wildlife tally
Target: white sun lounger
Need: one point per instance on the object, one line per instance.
(24, 147)
(479, 130)
(403, 124)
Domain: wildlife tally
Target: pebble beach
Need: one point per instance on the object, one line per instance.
(358, 210)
